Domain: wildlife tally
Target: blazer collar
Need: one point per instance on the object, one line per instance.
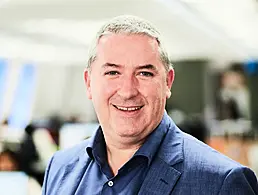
(171, 149)
(163, 174)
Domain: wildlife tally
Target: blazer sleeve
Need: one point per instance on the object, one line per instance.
(45, 183)
(239, 181)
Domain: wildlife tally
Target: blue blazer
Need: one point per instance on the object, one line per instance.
(183, 166)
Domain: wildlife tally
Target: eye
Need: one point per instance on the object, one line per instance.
(146, 74)
(112, 73)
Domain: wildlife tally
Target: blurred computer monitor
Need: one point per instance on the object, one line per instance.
(72, 134)
(14, 183)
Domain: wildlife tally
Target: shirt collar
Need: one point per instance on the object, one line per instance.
(148, 149)
(97, 142)
(153, 141)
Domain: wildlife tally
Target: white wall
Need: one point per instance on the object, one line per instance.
(60, 89)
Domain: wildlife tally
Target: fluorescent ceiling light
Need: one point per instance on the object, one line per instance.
(81, 32)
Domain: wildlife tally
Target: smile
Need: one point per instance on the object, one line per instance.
(128, 108)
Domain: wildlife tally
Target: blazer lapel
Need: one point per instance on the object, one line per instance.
(162, 175)
(160, 179)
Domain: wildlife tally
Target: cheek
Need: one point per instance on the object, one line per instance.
(155, 88)
(151, 93)
(154, 93)
(102, 90)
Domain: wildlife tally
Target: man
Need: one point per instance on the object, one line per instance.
(137, 148)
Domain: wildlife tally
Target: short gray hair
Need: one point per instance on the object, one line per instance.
(127, 24)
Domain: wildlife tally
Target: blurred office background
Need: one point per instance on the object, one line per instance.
(43, 52)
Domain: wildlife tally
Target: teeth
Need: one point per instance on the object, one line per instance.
(128, 109)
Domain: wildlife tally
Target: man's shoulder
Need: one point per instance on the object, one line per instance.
(63, 163)
(178, 146)
(69, 155)
(193, 153)
(199, 153)
(214, 169)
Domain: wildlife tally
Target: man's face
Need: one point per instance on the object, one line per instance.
(128, 85)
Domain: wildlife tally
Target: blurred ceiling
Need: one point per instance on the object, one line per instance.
(58, 32)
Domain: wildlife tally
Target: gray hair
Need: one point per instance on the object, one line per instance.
(127, 24)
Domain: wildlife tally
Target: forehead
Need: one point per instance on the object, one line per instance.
(128, 49)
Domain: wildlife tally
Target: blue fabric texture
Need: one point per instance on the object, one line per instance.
(176, 164)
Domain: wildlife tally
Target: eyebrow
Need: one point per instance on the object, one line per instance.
(106, 65)
(146, 66)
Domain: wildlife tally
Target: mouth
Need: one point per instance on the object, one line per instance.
(128, 109)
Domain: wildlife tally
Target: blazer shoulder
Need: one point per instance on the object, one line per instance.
(218, 172)
(201, 153)
(61, 164)
(68, 155)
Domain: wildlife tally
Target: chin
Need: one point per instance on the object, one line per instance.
(129, 132)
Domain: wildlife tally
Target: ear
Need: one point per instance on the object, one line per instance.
(87, 83)
(170, 80)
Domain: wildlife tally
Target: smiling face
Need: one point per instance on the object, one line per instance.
(128, 85)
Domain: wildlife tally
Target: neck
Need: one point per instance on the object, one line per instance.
(118, 154)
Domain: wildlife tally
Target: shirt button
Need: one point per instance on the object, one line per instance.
(110, 183)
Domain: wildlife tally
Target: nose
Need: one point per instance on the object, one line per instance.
(128, 87)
